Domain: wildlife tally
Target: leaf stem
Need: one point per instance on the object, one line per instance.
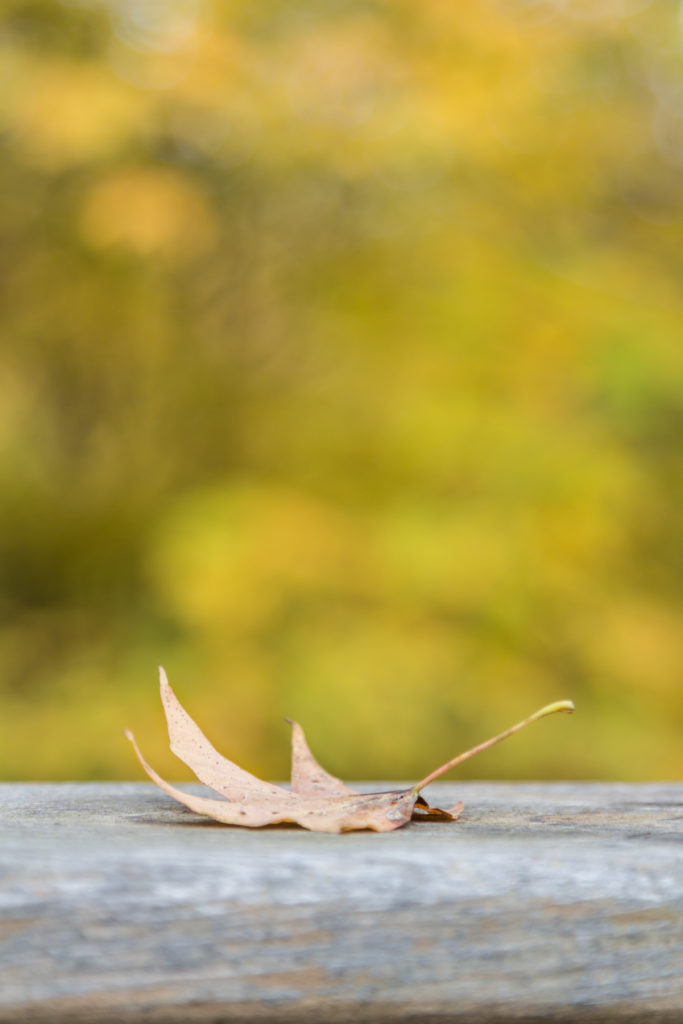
(549, 709)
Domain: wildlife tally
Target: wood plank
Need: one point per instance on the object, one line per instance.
(557, 901)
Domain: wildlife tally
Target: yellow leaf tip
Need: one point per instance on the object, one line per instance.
(559, 705)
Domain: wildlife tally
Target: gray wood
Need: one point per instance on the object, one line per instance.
(560, 901)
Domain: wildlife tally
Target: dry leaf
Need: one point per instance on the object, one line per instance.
(317, 800)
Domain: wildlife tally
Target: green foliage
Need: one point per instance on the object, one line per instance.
(342, 373)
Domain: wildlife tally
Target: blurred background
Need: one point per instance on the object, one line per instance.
(342, 373)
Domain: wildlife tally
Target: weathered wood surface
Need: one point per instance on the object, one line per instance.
(545, 902)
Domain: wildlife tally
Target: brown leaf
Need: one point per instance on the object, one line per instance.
(423, 812)
(308, 777)
(317, 800)
(190, 744)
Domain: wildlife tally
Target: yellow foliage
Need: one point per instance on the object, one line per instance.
(342, 373)
(62, 113)
(147, 210)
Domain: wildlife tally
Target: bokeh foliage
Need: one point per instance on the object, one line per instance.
(342, 372)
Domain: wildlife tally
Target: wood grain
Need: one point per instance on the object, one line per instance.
(559, 901)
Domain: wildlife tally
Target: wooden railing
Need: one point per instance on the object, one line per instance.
(558, 901)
